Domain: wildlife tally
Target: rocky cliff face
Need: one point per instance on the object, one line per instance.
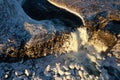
(87, 31)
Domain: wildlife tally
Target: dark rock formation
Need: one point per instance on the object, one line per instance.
(43, 10)
(36, 28)
(44, 32)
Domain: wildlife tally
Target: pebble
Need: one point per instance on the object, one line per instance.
(67, 77)
(57, 66)
(58, 78)
(67, 73)
(85, 73)
(90, 77)
(80, 74)
(77, 66)
(66, 68)
(18, 73)
(27, 73)
(71, 66)
(6, 76)
(47, 71)
(92, 58)
(81, 68)
(33, 74)
(103, 58)
(96, 78)
(61, 72)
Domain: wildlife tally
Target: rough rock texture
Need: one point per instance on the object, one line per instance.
(88, 31)
(88, 9)
(20, 35)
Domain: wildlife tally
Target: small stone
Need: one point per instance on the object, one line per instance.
(67, 77)
(27, 73)
(81, 68)
(65, 68)
(58, 78)
(103, 58)
(61, 72)
(67, 73)
(18, 73)
(96, 78)
(47, 71)
(71, 66)
(77, 66)
(80, 74)
(86, 78)
(6, 76)
(90, 77)
(92, 58)
(33, 74)
(85, 73)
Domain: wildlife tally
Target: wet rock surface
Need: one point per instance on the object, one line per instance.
(88, 32)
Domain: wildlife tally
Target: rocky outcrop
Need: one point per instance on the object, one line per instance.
(87, 30)
(38, 28)
(102, 19)
(33, 30)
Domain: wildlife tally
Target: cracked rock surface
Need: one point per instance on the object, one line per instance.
(59, 40)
